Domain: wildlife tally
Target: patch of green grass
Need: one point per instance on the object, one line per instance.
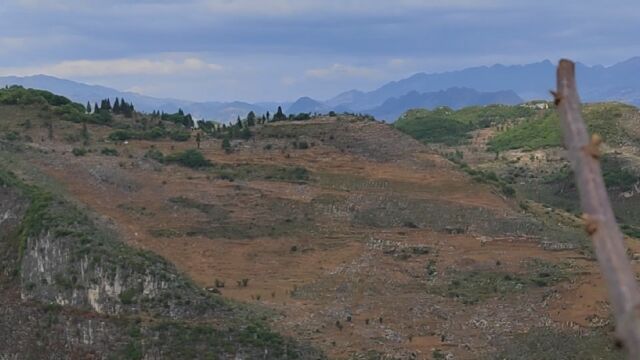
(248, 172)
(530, 134)
(109, 152)
(190, 158)
(215, 212)
(12, 136)
(537, 133)
(444, 125)
(472, 287)
(551, 344)
(79, 152)
(155, 154)
(179, 341)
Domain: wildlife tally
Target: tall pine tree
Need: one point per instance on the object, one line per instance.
(279, 115)
(116, 106)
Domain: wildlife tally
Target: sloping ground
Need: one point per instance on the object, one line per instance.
(71, 289)
(362, 241)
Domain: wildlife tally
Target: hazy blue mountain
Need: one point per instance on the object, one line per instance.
(477, 85)
(454, 98)
(79, 92)
(308, 105)
(531, 81)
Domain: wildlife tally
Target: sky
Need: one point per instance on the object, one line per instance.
(280, 50)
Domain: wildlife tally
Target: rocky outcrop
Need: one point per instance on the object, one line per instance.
(71, 289)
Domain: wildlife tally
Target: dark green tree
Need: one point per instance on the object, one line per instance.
(88, 107)
(245, 133)
(279, 115)
(251, 118)
(116, 106)
(226, 144)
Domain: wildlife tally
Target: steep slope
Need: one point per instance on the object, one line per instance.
(70, 287)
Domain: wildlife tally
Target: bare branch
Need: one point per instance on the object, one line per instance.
(599, 219)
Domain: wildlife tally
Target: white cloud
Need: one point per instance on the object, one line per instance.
(94, 68)
(341, 70)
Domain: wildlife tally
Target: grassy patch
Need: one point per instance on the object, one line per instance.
(190, 158)
(472, 287)
(444, 125)
(552, 344)
(247, 172)
(536, 133)
(215, 212)
(190, 342)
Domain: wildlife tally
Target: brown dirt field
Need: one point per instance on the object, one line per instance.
(346, 288)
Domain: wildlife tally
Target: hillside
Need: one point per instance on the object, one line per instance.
(344, 235)
(520, 147)
(445, 125)
(616, 123)
(71, 288)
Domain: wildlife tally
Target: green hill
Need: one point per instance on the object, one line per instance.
(616, 123)
(444, 125)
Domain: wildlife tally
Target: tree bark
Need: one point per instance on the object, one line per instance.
(598, 215)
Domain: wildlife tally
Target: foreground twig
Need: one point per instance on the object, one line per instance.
(599, 219)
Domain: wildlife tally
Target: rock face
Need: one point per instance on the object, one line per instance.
(70, 289)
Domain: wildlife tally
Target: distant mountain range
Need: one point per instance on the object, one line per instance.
(83, 93)
(497, 84)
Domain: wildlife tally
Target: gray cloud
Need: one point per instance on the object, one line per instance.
(264, 49)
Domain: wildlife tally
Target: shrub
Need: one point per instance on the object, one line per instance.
(79, 152)
(155, 154)
(179, 135)
(190, 158)
(109, 152)
(226, 145)
(121, 135)
(12, 136)
(302, 145)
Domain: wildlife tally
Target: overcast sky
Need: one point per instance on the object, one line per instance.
(258, 50)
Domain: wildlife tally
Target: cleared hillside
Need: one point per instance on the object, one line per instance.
(338, 232)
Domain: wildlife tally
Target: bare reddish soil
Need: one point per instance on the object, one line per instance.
(348, 287)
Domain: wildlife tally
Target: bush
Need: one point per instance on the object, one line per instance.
(109, 152)
(12, 136)
(179, 135)
(302, 145)
(226, 145)
(155, 154)
(121, 135)
(79, 152)
(189, 158)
